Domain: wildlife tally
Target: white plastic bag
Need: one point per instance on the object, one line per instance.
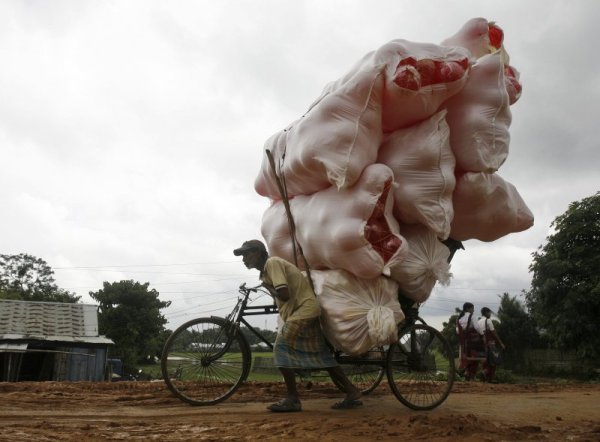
(423, 166)
(357, 314)
(479, 36)
(332, 143)
(486, 207)
(419, 77)
(351, 229)
(425, 265)
(479, 118)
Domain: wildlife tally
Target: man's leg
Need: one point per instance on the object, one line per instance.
(281, 357)
(462, 366)
(291, 401)
(490, 375)
(338, 375)
(472, 367)
(290, 383)
(486, 371)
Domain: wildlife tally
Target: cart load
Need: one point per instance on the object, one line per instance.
(371, 191)
(394, 158)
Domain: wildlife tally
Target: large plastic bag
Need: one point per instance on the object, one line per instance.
(486, 207)
(357, 314)
(425, 265)
(423, 166)
(512, 83)
(351, 229)
(479, 36)
(332, 143)
(479, 118)
(419, 77)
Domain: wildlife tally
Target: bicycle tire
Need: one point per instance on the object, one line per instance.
(366, 377)
(420, 367)
(205, 360)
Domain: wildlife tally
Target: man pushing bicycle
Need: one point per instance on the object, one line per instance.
(300, 343)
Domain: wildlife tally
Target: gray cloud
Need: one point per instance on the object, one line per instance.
(132, 132)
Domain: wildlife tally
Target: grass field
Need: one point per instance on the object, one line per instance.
(262, 369)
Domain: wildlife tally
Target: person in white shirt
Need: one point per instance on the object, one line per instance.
(470, 337)
(492, 341)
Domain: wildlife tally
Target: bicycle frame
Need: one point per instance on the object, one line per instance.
(214, 373)
(253, 310)
(242, 309)
(419, 366)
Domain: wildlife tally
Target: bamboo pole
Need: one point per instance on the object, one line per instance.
(286, 203)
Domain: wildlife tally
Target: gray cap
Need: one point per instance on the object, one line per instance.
(249, 246)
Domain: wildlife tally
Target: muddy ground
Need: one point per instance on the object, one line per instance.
(133, 411)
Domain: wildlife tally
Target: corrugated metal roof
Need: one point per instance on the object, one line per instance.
(12, 346)
(75, 339)
(51, 321)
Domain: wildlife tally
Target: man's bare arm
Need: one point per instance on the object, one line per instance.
(281, 293)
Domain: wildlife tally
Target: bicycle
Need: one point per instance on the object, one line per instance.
(205, 360)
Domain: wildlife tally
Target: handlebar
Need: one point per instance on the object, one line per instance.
(245, 289)
(242, 308)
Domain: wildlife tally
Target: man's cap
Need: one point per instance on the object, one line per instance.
(248, 246)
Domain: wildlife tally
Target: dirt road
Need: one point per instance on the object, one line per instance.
(147, 411)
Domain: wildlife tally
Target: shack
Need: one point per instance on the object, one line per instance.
(51, 341)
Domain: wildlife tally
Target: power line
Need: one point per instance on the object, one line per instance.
(229, 278)
(198, 314)
(202, 305)
(144, 265)
(480, 288)
(150, 273)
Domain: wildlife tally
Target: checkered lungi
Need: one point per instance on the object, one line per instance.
(300, 344)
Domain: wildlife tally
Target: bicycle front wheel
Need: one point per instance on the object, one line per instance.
(420, 367)
(205, 360)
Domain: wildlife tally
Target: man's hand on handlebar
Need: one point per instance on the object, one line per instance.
(243, 288)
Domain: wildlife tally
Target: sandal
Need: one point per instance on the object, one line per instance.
(347, 404)
(285, 406)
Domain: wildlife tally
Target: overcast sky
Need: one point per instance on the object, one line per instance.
(131, 131)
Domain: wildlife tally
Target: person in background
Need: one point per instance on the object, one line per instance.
(462, 366)
(492, 341)
(471, 344)
(300, 343)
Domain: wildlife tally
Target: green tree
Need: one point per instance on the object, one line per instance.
(449, 330)
(130, 315)
(518, 331)
(27, 278)
(565, 289)
(252, 339)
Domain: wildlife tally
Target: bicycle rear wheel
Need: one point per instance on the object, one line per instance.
(365, 376)
(420, 367)
(205, 360)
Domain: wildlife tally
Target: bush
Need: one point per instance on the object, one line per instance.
(505, 376)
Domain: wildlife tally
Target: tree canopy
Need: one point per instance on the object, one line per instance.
(129, 314)
(517, 329)
(449, 330)
(565, 290)
(27, 278)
